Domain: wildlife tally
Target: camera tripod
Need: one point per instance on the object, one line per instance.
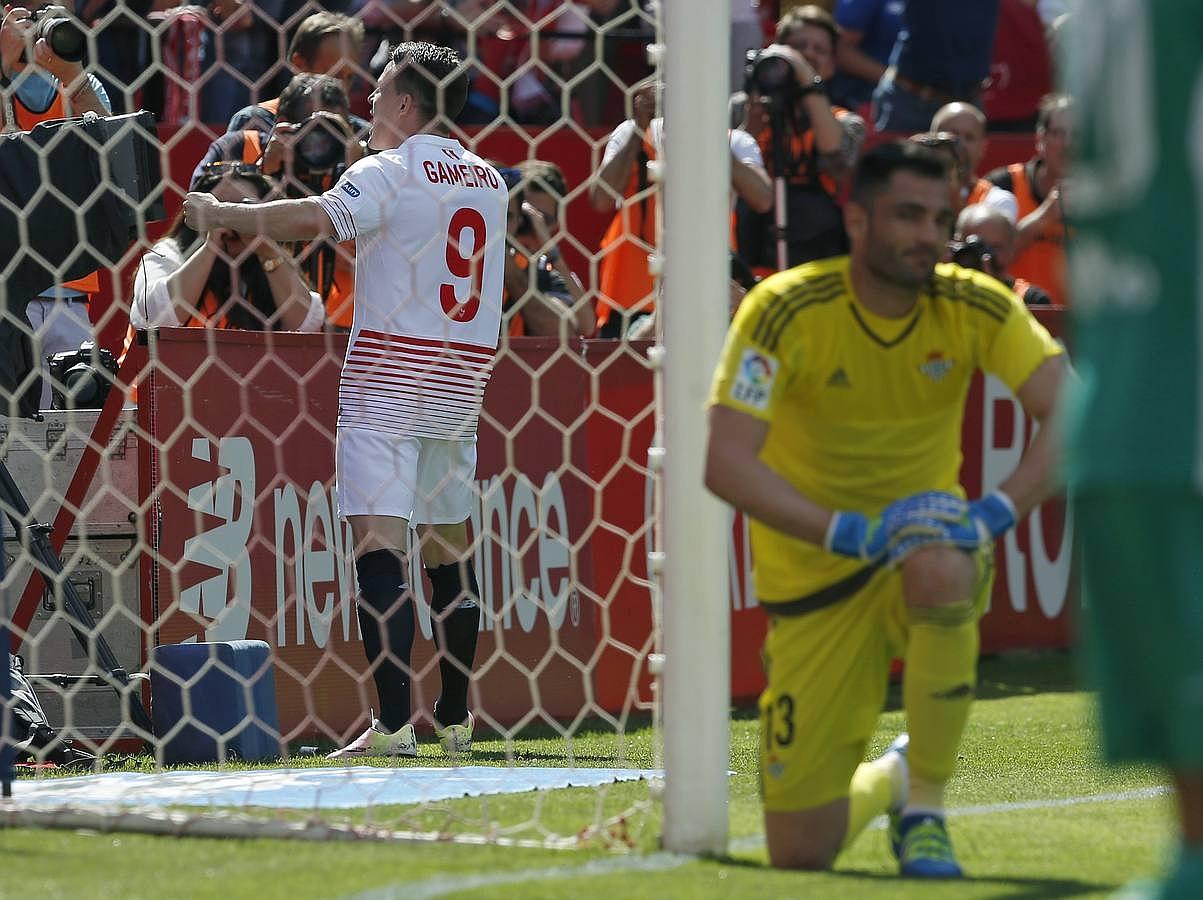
(776, 107)
(79, 619)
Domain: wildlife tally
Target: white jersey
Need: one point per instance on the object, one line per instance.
(428, 220)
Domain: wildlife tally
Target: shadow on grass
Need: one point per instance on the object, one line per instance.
(1015, 888)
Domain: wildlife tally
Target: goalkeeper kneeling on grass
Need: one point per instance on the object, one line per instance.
(835, 425)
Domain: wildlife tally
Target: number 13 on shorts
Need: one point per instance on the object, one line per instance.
(777, 722)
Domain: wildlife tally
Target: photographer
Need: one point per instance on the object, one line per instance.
(622, 185)
(985, 240)
(223, 279)
(542, 295)
(311, 104)
(325, 43)
(817, 143)
(41, 83)
(311, 144)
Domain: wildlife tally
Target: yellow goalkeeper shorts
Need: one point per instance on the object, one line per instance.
(828, 672)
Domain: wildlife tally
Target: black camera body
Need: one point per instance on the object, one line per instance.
(64, 34)
(972, 253)
(320, 146)
(81, 379)
(770, 75)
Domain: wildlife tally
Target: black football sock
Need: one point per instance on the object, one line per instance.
(455, 609)
(386, 619)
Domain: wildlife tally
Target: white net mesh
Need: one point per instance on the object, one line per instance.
(199, 644)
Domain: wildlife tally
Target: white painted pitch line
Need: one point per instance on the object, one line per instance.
(442, 885)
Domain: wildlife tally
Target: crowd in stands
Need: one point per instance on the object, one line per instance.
(282, 85)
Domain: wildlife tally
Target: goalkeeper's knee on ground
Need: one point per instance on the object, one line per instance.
(939, 584)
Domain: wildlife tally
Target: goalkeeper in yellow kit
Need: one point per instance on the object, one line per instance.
(835, 425)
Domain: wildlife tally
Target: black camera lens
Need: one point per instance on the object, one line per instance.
(81, 379)
(321, 145)
(64, 35)
(773, 75)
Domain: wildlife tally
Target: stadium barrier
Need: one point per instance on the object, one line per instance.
(237, 501)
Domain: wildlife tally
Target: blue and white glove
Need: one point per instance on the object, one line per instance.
(983, 520)
(856, 535)
(993, 514)
(920, 518)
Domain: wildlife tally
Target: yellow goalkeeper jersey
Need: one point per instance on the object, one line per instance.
(863, 410)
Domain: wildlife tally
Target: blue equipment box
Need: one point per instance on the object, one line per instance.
(224, 694)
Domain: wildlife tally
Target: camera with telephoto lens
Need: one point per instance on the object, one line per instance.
(64, 34)
(770, 74)
(320, 145)
(972, 253)
(80, 379)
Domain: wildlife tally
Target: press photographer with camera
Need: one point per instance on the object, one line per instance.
(310, 146)
(311, 141)
(622, 185)
(543, 297)
(985, 240)
(325, 43)
(42, 77)
(808, 145)
(222, 279)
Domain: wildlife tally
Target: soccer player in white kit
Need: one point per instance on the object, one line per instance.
(429, 221)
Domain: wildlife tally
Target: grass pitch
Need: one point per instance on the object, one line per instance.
(1028, 757)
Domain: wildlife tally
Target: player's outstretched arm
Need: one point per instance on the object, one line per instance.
(281, 220)
(736, 474)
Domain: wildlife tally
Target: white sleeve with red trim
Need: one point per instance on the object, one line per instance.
(359, 202)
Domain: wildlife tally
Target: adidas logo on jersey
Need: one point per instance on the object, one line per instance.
(839, 378)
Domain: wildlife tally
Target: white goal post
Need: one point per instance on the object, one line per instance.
(697, 619)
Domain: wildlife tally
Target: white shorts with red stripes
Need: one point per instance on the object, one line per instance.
(425, 481)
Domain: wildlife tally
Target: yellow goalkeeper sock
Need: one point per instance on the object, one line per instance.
(938, 687)
(876, 787)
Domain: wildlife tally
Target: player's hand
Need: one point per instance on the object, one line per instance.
(983, 520)
(201, 212)
(904, 526)
(856, 535)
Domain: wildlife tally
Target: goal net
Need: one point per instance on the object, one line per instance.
(188, 620)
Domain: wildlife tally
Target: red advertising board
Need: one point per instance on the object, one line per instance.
(248, 545)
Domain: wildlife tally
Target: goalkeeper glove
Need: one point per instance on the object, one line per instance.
(924, 516)
(856, 535)
(984, 519)
(993, 514)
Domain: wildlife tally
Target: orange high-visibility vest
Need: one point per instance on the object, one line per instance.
(1043, 262)
(624, 278)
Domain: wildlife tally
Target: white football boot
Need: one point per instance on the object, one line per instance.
(376, 741)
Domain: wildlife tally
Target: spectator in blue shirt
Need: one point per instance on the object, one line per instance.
(868, 29)
(942, 55)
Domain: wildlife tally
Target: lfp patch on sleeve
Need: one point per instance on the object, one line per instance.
(350, 188)
(753, 384)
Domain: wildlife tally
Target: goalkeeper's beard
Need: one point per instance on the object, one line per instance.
(910, 269)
